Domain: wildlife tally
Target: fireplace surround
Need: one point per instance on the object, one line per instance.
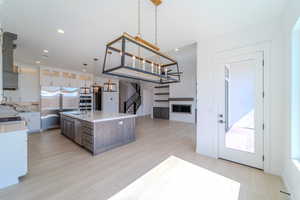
(181, 108)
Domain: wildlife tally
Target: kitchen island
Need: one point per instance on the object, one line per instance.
(97, 131)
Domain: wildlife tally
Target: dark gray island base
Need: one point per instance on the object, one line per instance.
(98, 132)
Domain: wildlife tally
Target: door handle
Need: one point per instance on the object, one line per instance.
(221, 121)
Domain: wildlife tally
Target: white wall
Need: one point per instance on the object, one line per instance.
(208, 49)
(29, 88)
(187, 60)
(147, 99)
(291, 173)
(110, 102)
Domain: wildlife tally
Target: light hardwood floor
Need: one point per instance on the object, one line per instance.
(59, 169)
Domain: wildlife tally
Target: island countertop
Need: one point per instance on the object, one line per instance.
(97, 116)
(9, 127)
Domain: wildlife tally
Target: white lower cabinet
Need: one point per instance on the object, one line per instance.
(33, 120)
(13, 156)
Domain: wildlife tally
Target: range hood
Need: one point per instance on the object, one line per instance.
(10, 73)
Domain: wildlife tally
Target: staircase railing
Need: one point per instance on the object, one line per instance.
(134, 101)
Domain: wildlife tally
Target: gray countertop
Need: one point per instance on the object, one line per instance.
(97, 116)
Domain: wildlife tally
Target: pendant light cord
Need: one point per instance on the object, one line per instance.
(139, 18)
(156, 36)
(139, 29)
(156, 18)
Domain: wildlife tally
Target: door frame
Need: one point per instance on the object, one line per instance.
(263, 47)
(247, 158)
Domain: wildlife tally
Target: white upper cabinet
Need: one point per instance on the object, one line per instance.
(46, 78)
(70, 80)
(86, 80)
(57, 78)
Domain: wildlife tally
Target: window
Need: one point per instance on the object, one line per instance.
(295, 94)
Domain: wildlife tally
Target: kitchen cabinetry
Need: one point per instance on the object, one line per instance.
(68, 127)
(98, 136)
(13, 153)
(107, 135)
(57, 78)
(85, 80)
(47, 78)
(77, 137)
(33, 120)
(70, 80)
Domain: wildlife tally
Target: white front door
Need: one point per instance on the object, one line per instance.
(240, 109)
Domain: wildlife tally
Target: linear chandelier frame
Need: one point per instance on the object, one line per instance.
(162, 75)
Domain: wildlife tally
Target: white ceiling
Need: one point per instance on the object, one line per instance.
(90, 24)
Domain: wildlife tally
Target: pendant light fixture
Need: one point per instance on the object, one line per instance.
(135, 58)
(110, 86)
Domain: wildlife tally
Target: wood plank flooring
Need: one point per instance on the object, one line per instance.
(61, 170)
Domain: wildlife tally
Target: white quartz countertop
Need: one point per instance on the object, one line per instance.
(12, 127)
(98, 116)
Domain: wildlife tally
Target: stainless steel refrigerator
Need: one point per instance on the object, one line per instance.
(55, 100)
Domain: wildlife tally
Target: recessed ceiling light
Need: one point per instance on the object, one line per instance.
(176, 49)
(45, 51)
(37, 62)
(84, 67)
(60, 31)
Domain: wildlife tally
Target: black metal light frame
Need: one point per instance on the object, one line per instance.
(172, 77)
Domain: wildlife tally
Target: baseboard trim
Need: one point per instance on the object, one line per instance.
(288, 187)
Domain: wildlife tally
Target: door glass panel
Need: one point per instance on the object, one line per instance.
(240, 106)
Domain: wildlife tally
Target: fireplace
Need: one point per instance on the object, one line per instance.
(180, 108)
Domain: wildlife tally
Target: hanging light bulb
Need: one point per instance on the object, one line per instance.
(159, 72)
(144, 64)
(166, 72)
(152, 67)
(133, 61)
